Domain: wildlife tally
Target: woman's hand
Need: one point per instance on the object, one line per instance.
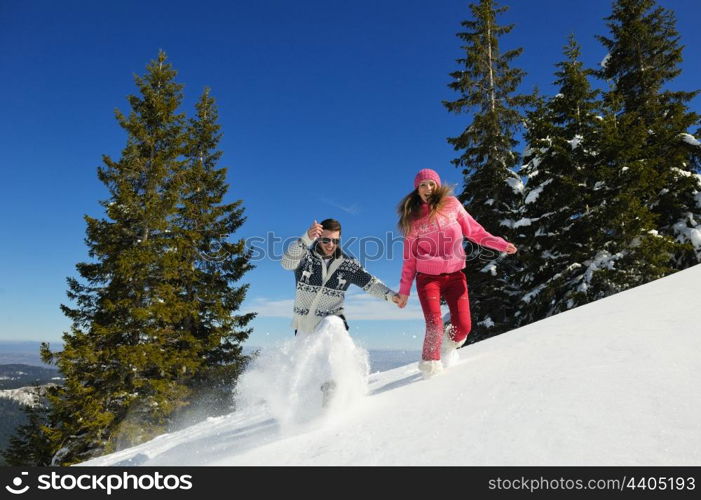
(511, 249)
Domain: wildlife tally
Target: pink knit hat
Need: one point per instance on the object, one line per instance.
(427, 174)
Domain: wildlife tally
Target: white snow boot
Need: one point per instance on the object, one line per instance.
(430, 368)
(449, 348)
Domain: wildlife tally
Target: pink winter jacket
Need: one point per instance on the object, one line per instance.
(434, 246)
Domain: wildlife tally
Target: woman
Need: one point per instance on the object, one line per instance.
(434, 224)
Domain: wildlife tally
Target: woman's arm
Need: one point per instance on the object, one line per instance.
(408, 267)
(473, 231)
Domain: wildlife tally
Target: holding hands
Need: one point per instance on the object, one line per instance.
(315, 230)
(400, 300)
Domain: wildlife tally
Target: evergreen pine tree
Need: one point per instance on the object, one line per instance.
(145, 333)
(644, 55)
(557, 221)
(627, 249)
(213, 264)
(492, 192)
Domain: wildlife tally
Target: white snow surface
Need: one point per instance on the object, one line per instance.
(516, 184)
(576, 141)
(690, 139)
(535, 193)
(614, 382)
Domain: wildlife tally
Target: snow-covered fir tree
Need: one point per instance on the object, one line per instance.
(661, 171)
(487, 87)
(556, 230)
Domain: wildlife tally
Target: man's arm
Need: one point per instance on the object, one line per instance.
(296, 251)
(371, 284)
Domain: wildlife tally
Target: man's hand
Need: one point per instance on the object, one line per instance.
(511, 249)
(314, 230)
(400, 300)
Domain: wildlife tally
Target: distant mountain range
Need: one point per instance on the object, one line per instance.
(14, 376)
(17, 383)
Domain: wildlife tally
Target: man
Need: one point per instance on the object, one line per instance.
(323, 273)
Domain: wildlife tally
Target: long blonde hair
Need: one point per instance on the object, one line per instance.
(409, 209)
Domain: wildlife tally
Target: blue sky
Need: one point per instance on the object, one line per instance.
(328, 108)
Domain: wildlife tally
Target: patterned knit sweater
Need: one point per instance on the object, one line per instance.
(321, 291)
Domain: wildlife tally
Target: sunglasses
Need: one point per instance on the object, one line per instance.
(335, 241)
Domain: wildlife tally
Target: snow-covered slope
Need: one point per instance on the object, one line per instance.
(611, 383)
(26, 396)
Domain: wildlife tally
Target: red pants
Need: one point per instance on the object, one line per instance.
(453, 288)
